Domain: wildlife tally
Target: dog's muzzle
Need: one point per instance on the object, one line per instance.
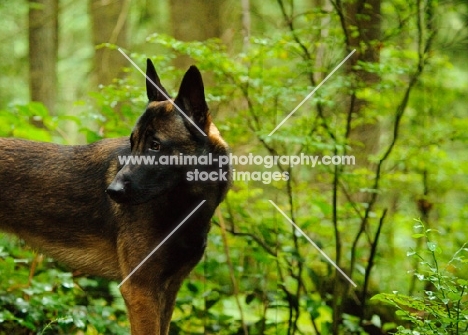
(118, 190)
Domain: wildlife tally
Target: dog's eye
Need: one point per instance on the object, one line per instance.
(155, 145)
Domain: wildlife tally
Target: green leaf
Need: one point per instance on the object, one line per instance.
(432, 246)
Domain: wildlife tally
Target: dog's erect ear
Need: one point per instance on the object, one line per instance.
(191, 97)
(152, 92)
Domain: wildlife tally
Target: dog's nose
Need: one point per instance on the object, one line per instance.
(118, 190)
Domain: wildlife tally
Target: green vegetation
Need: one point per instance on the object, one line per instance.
(398, 105)
(442, 308)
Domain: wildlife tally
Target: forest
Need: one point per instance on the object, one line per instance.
(368, 238)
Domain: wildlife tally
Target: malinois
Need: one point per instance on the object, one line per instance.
(82, 207)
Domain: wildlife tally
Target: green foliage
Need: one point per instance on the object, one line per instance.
(16, 122)
(283, 284)
(442, 307)
(53, 301)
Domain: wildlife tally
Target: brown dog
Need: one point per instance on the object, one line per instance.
(54, 197)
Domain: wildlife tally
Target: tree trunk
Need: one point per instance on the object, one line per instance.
(195, 20)
(109, 25)
(43, 50)
(363, 23)
(246, 23)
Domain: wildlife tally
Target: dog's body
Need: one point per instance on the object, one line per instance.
(54, 197)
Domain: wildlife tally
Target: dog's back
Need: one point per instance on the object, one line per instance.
(53, 197)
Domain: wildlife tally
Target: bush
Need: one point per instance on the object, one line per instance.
(442, 308)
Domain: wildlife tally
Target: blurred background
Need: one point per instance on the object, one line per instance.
(395, 222)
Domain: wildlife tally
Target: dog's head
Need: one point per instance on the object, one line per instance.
(168, 130)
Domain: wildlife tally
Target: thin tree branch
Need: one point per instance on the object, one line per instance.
(370, 264)
(235, 287)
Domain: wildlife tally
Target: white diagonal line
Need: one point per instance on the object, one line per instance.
(312, 93)
(161, 243)
(161, 91)
(315, 245)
